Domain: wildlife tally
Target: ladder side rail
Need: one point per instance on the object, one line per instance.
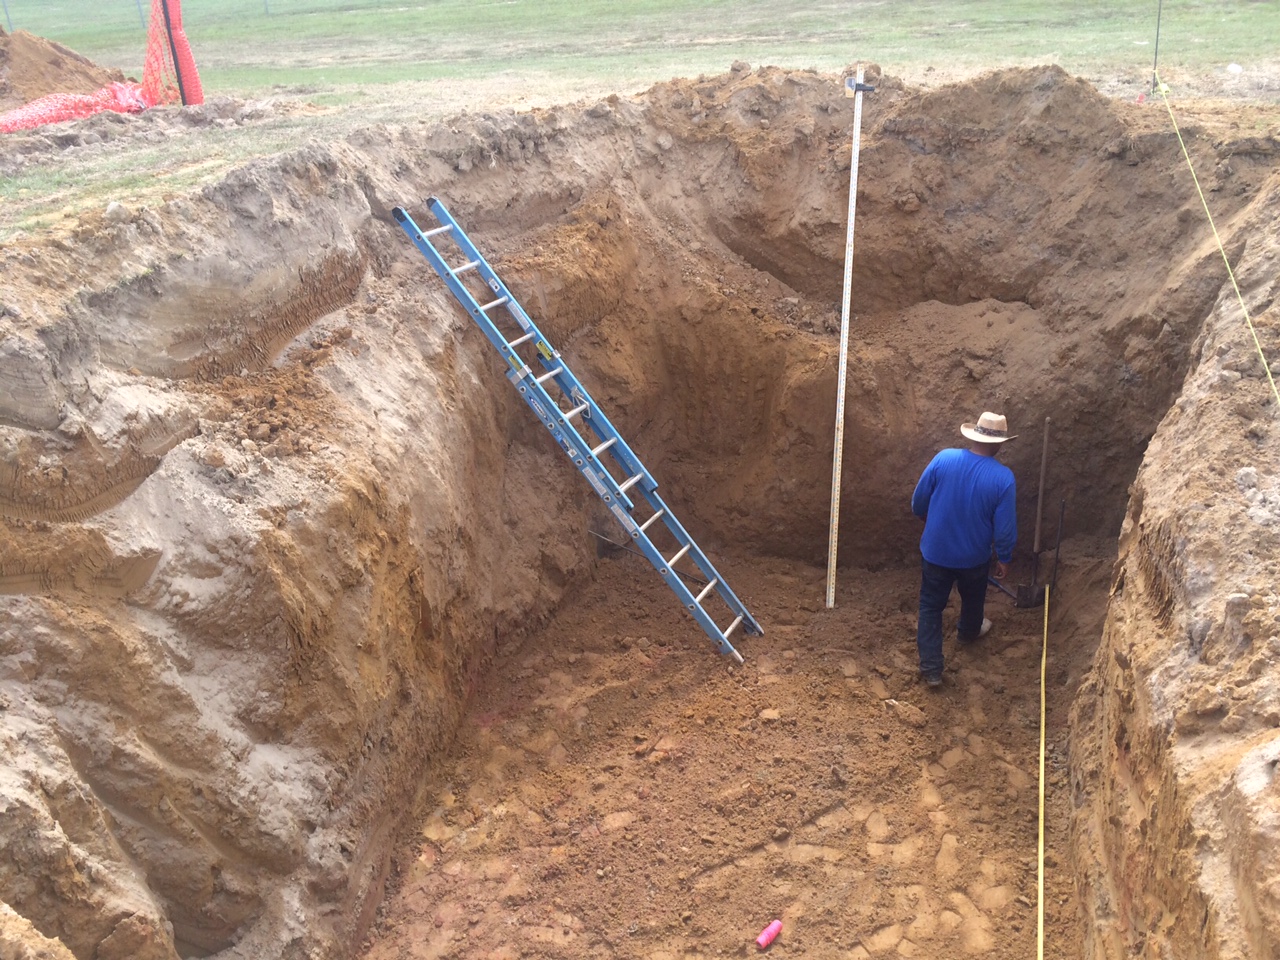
(458, 289)
(690, 602)
(550, 357)
(704, 564)
(600, 425)
(620, 506)
(534, 394)
(578, 447)
(574, 445)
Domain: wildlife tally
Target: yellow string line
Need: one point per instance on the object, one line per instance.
(1044, 663)
(1163, 88)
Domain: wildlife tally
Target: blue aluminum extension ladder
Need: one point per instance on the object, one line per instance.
(563, 414)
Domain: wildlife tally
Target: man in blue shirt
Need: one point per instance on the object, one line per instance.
(966, 500)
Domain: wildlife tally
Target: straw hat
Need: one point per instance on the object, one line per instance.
(990, 428)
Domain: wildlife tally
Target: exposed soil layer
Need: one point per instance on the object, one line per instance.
(275, 530)
(33, 67)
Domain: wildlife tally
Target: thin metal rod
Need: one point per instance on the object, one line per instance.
(833, 533)
(1040, 502)
(173, 51)
(1044, 462)
(8, 19)
(623, 546)
(141, 17)
(1155, 61)
(1001, 587)
(1062, 512)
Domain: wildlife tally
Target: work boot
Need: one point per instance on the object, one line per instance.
(932, 679)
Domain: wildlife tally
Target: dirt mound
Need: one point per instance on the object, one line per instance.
(271, 513)
(32, 67)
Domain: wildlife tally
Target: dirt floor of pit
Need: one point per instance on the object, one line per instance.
(620, 790)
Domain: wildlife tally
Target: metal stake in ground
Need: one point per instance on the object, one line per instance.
(1033, 595)
(852, 88)
(1035, 545)
(1057, 549)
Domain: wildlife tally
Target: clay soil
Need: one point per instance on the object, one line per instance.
(310, 650)
(620, 790)
(32, 67)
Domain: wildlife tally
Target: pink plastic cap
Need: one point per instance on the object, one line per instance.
(768, 933)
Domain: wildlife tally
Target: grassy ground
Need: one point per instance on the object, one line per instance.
(384, 61)
(245, 47)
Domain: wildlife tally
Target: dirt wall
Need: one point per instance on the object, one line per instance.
(1178, 729)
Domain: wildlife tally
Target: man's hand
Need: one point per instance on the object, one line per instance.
(1002, 569)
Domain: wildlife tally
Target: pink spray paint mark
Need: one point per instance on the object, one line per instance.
(768, 933)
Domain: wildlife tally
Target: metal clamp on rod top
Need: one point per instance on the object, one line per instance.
(853, 86)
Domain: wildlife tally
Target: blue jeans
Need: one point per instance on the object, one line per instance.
(935, 591)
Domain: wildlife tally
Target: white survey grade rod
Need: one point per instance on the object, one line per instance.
(852, 88)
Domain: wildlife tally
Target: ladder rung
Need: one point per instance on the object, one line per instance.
(676, 559)
(645, 526)
(733, 626)
(469, 265)
(705, 590)
(549, 374)
(494, 303)
(575, 411)
(519, 340)
(438, 230)
(627, 485)
(596, 451)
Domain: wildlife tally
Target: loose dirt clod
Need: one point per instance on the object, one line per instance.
(302, 606)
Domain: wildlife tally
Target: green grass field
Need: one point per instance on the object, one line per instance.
(358, 62)
(250, 47)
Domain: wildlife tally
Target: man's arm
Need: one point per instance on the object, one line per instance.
(1006, 523)
(924, 490)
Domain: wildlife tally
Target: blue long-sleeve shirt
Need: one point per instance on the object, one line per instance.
(967, 502)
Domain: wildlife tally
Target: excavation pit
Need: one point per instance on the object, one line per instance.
(289, 559)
